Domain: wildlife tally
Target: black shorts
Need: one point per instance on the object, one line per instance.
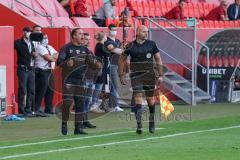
(143, 83)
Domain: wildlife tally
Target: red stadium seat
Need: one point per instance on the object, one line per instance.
(7, 3)
(122, 5)
(237, 24)
(23, 10)
(100, 2)
(145, 5)
(152, 9)
(109, 21)
(170, 5)
(190, 10)
(84, 22)
(161, 23)
(90, 7)
(96, 5)
(44, 22)
(38, 8)
(158, 11)
(232, 61)
(213, 61)
(164, 8)
(62, 22)
(219, 24)
(53, 8)
(206, 8)
(139, 8)
(200, 8)
(211, 24)
(219, 60)
(181, 24)
(229, 24)
(117, 11)
(146, 23)
(204, 24)
(196, 11)
(225, 61)
(167, 25)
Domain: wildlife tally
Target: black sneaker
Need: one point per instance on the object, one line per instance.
(78, 132)
(49, 112)
(64, 129)
(88, 125)
(28, 111)
(139, 128)
(41, 114)
(151, 127)
(151, 123)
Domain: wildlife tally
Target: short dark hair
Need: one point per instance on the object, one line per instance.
(27, 29)
(73, 32)
(181, 1)
(86, 34)
(111, 26)
(36, 26)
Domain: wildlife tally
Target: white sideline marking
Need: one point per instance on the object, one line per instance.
(118, 142)
(68, 139)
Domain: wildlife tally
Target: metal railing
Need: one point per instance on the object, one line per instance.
(193, 50)
(41, 14)
(232, 78)
(208, 64)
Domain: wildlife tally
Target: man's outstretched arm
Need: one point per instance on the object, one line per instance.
(121, 67)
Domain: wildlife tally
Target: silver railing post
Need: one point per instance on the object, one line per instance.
(41, 14)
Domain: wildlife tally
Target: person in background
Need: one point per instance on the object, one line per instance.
(177, 12)
(113, 45)
(81, 9)
(37, 29)
(219, 13)
(89, 79)
(123, 21)
(66, 5)
(25, 72)
(130, 6)
(233, 11)
(36, 35)
(106, 11)
(44, 63)
(104, 56)
(76, 8)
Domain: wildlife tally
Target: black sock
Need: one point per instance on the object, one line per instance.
(152, 109)
(152, 113)
(138, 112)
(136, 108)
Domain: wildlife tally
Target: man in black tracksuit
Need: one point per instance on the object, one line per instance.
(76, 56)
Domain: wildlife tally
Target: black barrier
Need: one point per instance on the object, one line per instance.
(224, 56)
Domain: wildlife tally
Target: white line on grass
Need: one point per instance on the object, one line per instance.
(114, 143)
(67, 139)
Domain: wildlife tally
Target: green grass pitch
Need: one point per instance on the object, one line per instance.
(212, 132)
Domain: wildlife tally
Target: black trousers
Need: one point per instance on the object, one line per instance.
(26, 89)
(99, 22)
(73, 95)
(44, 89)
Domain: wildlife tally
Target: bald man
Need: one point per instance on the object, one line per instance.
(142, 53)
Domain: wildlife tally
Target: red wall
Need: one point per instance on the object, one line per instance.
(7, 58)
